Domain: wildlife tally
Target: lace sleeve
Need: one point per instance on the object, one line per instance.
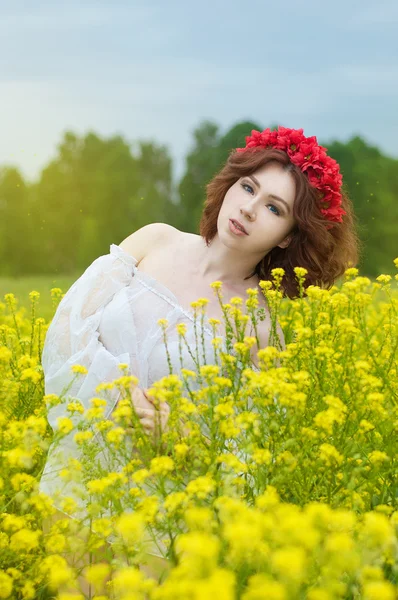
(73, 336)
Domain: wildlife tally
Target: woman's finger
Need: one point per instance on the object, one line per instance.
(142, 412)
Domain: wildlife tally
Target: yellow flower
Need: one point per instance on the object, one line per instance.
(5, 585)
(268, 499)
(370, 572)
(201, 486)
(189, 373)
(317, 593)
(51, 400)
(225, 409)
(17, 457)
(102, 526)
(300, 271)
(68, 505)
(220, 584)
(309, 433)
(377, 457)
(55, 544)
(28, 591)
(103, 386)
(181, 328)
(79, 369)
(340, 520)
(330, 455)
(290, 563)
(202, 546)
(98, 402)
(365, 426)
(131, 527)
(97, 486)
(262, 456)
(326, 419)
(383, 279)
(57, 571)
(175, 501)
(65, 425)
(338, 542)
(233, 462)
(94, 413)
(260, 582)
(135, 492)
(96, 574)
(22, 481)
(5, 355)
(128, 582)
(265, 285)
(209, 371)
(199, 517)
(38, 424)
(181, 450)
(56, 293)
(82, 436)
(75, 407)
(379, 590)
(351, 272)
(13, 522)
(140, 476)
(31, 374)
(288, 459)
(116, 436)
(161, 465)
(149, 508)
(377, 530)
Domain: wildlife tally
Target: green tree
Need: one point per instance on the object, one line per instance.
(202, 161)
(208, 155)
(94, 193)
(14, 220)
(371, 180)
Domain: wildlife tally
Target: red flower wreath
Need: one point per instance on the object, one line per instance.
(323, 172)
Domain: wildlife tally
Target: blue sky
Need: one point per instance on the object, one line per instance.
(154, 70)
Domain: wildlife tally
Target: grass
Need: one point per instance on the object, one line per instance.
(22, 286)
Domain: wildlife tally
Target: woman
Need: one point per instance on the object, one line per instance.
(277, 202)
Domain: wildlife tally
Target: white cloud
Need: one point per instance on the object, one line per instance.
(375, 80)
(383, 12)
(139, 70)
(47, 17)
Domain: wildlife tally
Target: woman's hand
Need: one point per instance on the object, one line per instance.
(149, 416)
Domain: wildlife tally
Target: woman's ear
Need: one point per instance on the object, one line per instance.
(284, 243)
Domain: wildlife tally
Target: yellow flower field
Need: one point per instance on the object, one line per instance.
(292, 494)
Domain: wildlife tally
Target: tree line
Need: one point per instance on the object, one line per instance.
(97, 191)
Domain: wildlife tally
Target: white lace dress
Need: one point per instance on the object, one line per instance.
(109, 316)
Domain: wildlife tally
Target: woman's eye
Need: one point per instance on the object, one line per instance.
(277, 211)
(249, 186)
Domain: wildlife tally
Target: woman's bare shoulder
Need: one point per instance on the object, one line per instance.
(149, 238)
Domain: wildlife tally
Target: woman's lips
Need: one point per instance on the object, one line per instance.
(235, 230)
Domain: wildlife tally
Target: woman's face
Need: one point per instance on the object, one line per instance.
(267, 220)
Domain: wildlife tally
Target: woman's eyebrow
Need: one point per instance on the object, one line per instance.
(255, 180)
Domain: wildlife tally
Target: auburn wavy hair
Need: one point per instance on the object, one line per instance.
(325, 253)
